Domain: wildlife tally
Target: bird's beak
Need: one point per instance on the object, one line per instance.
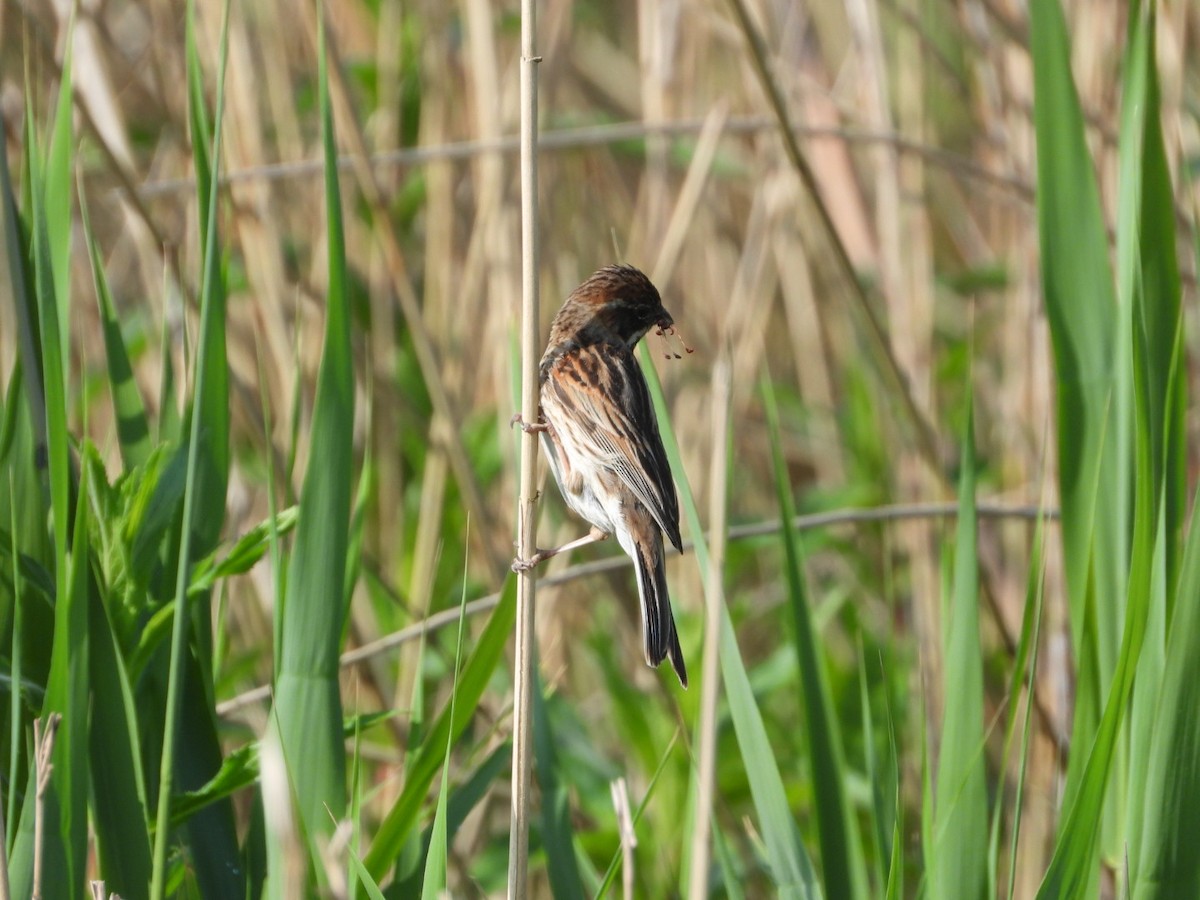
(665, 321)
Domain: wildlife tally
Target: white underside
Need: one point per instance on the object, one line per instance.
(606, 514)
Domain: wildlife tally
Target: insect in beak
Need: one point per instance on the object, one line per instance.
(666, 329)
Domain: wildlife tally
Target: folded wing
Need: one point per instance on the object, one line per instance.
(601, 389)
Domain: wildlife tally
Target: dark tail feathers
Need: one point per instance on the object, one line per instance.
(658, 624)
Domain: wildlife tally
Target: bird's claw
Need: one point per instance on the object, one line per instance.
(524, 565)
(526, 427)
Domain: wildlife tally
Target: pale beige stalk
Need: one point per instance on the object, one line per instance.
(518, 837)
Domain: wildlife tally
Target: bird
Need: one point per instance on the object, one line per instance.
(601, 438)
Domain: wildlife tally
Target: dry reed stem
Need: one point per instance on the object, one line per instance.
(976, 152)
(627, 833)
(925, 434)
(689, 195)
(523, 671)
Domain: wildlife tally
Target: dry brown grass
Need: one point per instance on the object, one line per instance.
(915, 120)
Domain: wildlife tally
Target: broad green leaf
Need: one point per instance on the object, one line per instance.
(67, 685)
(1150, 286)
(203, 511)
(1149, 292)
(119, 809)
(308, 703)
(1092, 368)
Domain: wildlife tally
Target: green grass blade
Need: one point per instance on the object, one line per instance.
(243, 555)
(169, 428)
(24, 303)
(1071, 871)
(1150, 284)
(57, 202)
(1092, 367)
(464, 798)
(957, 860)
(842, 865)
(433, 885)
(210, 406)
(119, 810)
(879, 813)
(790, 864)
(1150, 294)
(133, 428)
(200, 476)
(1148, 273)
(1168, 865)
(1024, 670)
(16, 673)
(395, 829)
(67, 689)
(895, 875)
(308, 704)
(364, 878)
(558, 837)
(67, 693)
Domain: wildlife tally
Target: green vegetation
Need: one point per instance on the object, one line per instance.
(258, 488)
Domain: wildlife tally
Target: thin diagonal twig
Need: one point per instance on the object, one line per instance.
(892, 372)
(808, 522)
(603, 135)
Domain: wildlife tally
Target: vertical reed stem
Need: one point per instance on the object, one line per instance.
(518, 845)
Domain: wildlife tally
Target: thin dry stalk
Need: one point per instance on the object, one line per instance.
(43, 742)
(620, 796)
(925, 434)
(397, 268)
(518, 837)
(714, 597)
(585, 136)
(286, 856)
(807, 522)
(684, 213)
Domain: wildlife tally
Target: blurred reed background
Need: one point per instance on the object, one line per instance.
(662, 148)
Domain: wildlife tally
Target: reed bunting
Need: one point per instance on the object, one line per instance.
(601, 438)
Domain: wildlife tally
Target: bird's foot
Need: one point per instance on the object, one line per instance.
(524, 565)
(526, 427)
